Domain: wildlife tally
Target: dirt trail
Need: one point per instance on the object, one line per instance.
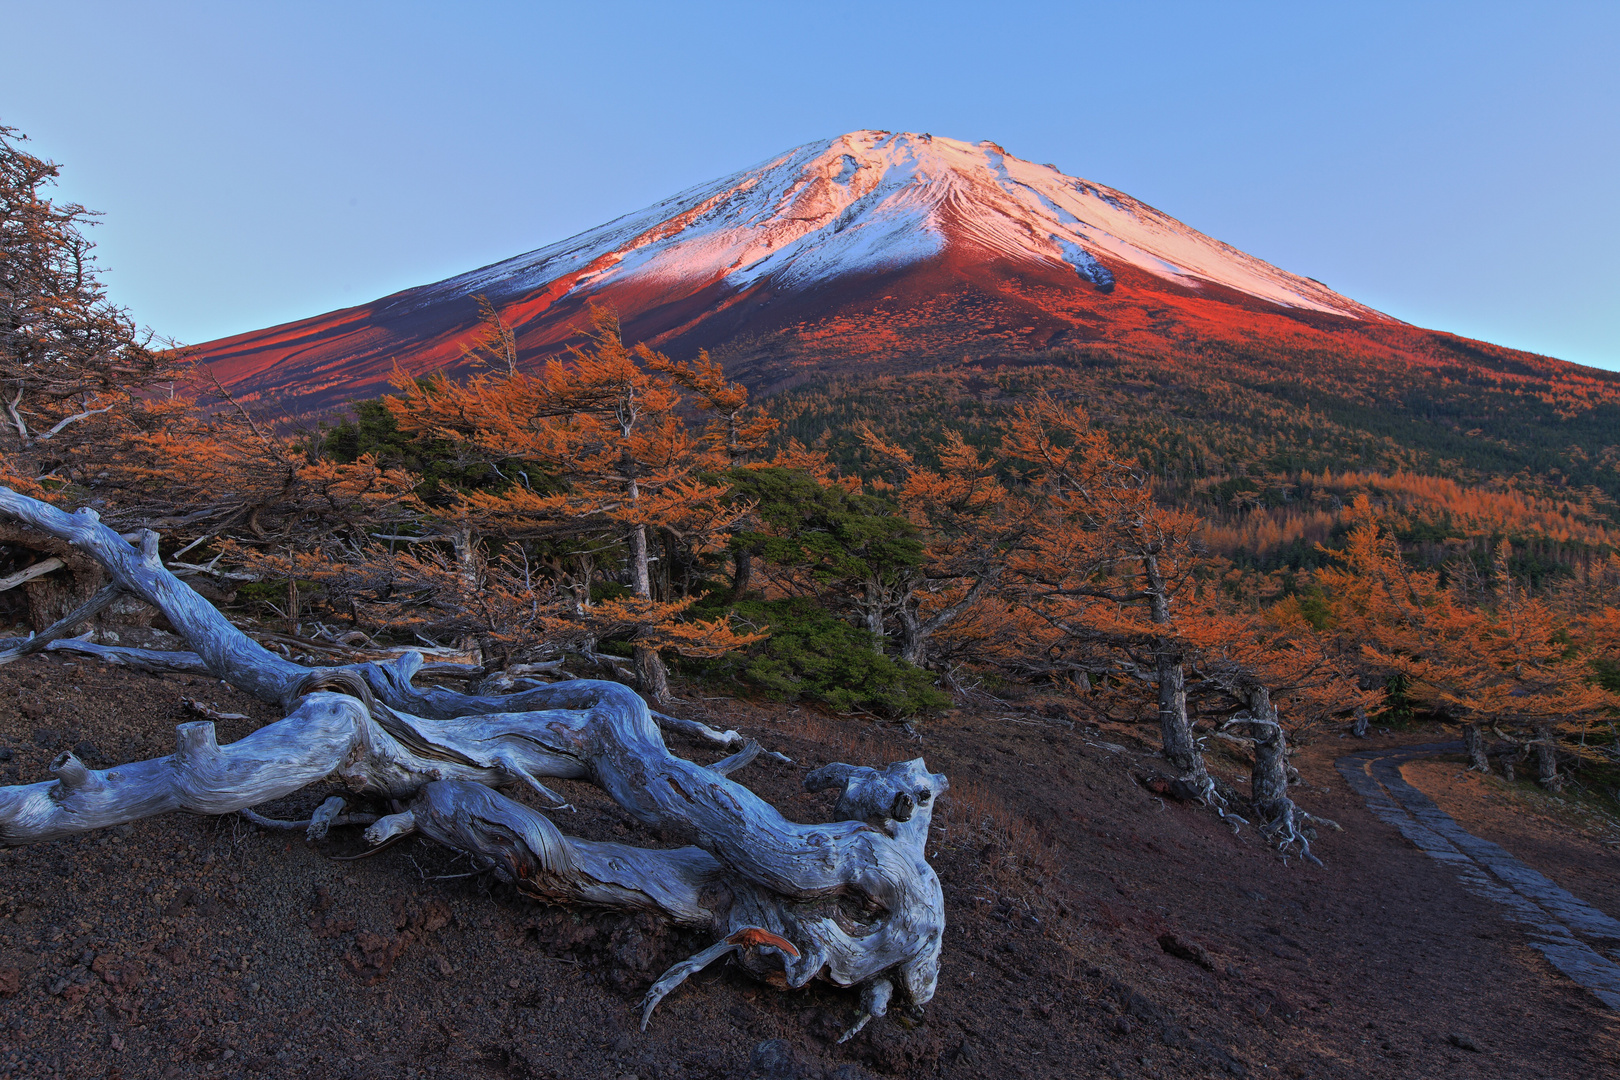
(1566, 929)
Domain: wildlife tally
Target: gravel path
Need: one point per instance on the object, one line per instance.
(1566, 929)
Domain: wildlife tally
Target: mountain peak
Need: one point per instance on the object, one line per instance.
(877, 200)
(809, 245)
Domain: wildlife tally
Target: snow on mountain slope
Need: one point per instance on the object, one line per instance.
(871, 201)
(871, 248)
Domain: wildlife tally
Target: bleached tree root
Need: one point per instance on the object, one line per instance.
(317, 825)
(101, 601)
(852, 901)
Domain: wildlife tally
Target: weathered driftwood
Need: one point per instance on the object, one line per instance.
(852, 901)
(29, 573)
(101, 601)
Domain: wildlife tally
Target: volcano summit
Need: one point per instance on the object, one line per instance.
(870, 247)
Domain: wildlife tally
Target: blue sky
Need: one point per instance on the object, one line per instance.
(1455, 165)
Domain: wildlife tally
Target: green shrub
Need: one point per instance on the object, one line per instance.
(813, 655)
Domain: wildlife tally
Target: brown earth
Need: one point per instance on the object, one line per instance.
(186, 946)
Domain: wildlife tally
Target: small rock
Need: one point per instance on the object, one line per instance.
(773, 1059)
(1184, 949)
(513, 984)
(1141, 1008)
(850, 1071)
(1463, 1042)
(5, 753)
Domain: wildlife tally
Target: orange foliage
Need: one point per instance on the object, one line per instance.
(612, 456)
(1409, 500)
(203, 472)
(1504, 658)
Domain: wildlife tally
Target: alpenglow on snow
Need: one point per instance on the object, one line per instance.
(876, 200)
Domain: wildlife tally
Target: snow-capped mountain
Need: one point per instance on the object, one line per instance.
(874, 201)
(911, 245)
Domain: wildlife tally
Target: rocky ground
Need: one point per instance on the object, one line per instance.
(1094, 929)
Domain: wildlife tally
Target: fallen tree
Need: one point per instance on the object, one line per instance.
(853, 901)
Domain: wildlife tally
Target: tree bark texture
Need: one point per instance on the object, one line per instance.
(741, 574)
(1281, 821)
(872, 614)
(1175, 729)
(1474, 740)
(852, 901)
(1547, 760)
(917, 632)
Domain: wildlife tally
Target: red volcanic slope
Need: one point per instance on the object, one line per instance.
(869, 249)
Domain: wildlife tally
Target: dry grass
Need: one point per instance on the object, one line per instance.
(853, 742)
(975, 816)
(1014, 870)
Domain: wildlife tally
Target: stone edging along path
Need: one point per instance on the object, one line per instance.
(1562, 926)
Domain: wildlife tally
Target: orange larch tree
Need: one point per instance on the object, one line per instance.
(1501, 658)
(970, 523)
(1105, 565)
(599, 447)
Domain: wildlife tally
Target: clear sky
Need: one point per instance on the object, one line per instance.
(1455, 165)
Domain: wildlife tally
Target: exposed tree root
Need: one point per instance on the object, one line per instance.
(852, 901)
(1282, 823)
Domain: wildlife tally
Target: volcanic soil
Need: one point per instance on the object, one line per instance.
(1095, 929)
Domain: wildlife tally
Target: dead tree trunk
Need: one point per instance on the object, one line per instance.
(1175, 729)
(1474, 740)
(1547, 759)
(1281, 821)
(852, 901)
(1510, 759)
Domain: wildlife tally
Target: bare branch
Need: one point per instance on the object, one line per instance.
(29, 573)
